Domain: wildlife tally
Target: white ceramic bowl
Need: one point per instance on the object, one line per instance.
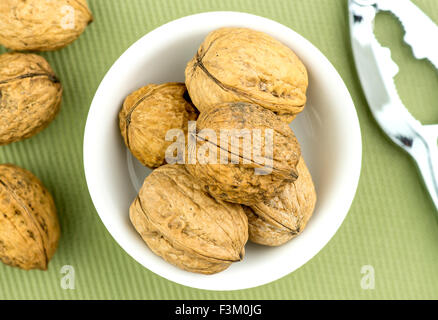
(328, 130)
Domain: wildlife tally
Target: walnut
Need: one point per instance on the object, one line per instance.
(42, 25)
(238, 64)
(242, 170)
(29, 228)
(280, 219)
(148, 114)
(30, 96)
(184, 225)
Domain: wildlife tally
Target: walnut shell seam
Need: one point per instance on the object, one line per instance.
(138, 200)
(38, 227)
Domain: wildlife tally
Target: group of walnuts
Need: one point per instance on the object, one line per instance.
(30, 98)
(199, 215)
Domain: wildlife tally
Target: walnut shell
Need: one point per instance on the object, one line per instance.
(30, 96)
(239, 64)
(41, 25)
(184, 225)
(282, 218)
(239, 182)
(29, 228)
(147, 115)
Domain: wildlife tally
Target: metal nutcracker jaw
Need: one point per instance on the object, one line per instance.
(376, 71)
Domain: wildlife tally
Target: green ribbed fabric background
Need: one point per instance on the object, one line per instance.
(392, 224)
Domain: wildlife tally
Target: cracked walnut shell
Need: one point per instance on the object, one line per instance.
(248, 179)
(42, 25)
(276, 221)
(239, 64)
(30, 96)
(148, 114)
(29, 228)
(184, 225)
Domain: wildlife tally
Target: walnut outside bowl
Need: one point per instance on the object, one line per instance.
(328, 131)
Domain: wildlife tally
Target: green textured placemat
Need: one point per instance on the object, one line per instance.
(391, 226)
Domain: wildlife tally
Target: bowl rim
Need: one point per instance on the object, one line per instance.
(266, 23)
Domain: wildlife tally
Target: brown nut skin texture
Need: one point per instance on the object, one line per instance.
(30, 96)
(147, 115)
(276, 221)
(239, 64)
(238, 182)
(29, 227)
(184, 225)
(40, 25)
